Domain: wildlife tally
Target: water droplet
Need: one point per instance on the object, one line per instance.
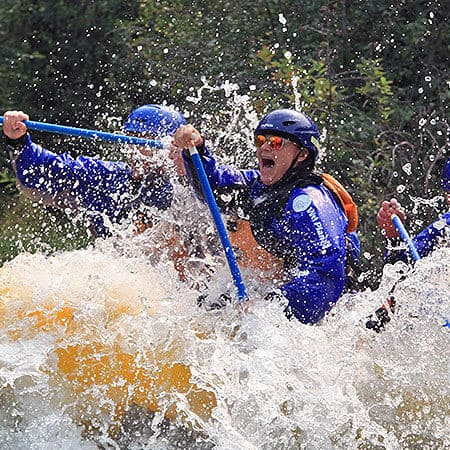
(440, 224)
(407, 168)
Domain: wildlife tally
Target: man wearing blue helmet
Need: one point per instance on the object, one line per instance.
(293, 215)
(106, 192)
(428, 239)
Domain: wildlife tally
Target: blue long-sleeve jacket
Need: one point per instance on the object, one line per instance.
(425, 242)
(304, 226)
(103, 190)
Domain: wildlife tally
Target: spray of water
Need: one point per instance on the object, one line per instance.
(106, 348)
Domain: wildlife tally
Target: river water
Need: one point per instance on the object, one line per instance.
(90, 339)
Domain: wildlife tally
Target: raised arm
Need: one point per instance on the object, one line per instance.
(56, 179)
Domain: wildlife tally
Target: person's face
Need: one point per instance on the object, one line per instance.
(447, 197)
(141, 158)
(275, 156)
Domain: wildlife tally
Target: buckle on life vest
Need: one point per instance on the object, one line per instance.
(348, 205)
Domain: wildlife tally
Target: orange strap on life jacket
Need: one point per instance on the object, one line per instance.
(347, 203)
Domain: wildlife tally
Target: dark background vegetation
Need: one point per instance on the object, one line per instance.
(373, 74)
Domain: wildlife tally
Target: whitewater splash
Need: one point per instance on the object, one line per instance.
(90, 340)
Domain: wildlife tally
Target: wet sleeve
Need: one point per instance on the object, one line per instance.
(51, 174)
(428, 239)
(425, 242)
(62, 181)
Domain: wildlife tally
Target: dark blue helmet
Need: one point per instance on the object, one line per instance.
(446, 176)
(156, 120)
(293, 125)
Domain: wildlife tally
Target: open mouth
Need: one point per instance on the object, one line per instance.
(267, 163)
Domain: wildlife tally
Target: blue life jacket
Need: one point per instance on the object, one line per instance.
(103, 190)
(298, 222)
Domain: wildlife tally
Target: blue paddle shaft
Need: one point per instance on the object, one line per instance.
(92, 134)
(223, 235)
(405, 237)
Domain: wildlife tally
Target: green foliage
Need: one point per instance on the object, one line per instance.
(29, 227)
(61, 56)
(8, 189)
(6, 179)
(376, 88)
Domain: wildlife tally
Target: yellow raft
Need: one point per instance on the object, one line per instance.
(103, 361)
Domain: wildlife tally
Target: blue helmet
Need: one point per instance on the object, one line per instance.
(154, 119)
(293, 125)
(446, 176)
